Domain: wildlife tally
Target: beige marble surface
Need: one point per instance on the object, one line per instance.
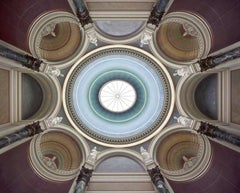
(235, 96)
(4, 97)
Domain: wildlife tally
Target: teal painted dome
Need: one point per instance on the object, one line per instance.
(118, 95)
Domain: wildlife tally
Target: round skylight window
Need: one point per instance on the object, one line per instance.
(117, 96)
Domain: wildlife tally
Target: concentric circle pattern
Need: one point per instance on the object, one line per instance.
(118, 95)
(137, 104)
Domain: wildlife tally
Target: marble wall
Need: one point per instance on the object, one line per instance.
(4, 96)
(235, 96)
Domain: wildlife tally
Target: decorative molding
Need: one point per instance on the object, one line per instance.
(53, 121)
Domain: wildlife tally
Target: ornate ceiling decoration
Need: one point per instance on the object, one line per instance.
(56, 37)
(182, 154)
(55, 155)
(118, 96)
(61, 42)
(182, 38)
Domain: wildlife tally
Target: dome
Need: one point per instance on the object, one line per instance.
(118, 96)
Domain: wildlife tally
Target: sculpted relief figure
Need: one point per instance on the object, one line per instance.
(53, 121)
(145, 155)
(92, 157)
(184, 121)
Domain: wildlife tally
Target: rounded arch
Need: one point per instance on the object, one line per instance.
(119, 152)
(119, 31)
(185, 92)
(51, 100)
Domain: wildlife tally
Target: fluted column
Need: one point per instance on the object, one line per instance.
(212, 61)
(214, 132)
(25, 60)
(83, 179)
(157, 12)
(158, 179)
(27, 131)
(82, 12)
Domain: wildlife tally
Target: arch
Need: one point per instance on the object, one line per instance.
(126, 31)
(185, 101)
(51, 101)
(32, 96)
(205, 96)
(119, 152)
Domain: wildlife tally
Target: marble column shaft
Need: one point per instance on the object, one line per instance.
(80, 5)
(27, 131)
(83, 179)
(25, 60)
(158, 179)
(82, 12)
(212, 61)
(157, 12)
(214, 132)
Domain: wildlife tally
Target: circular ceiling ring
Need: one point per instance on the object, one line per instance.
(146, 75)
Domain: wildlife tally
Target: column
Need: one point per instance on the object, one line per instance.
(83, 179)
(82, 13)
(157, 12)
(25, 60)
(158, 179)
(212, 61)
(27, 131)
(214, 132)
(153, 171)
(86, 21)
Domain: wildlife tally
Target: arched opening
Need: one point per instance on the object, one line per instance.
(119, 30)
(118, 164)
(206, 96)
(198, 96)
(39, 96)
(120, 171)
(32, 96)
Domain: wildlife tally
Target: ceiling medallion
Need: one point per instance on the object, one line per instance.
(118, 96)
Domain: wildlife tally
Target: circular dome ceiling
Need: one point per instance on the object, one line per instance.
(118, 96)
(176, 43)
